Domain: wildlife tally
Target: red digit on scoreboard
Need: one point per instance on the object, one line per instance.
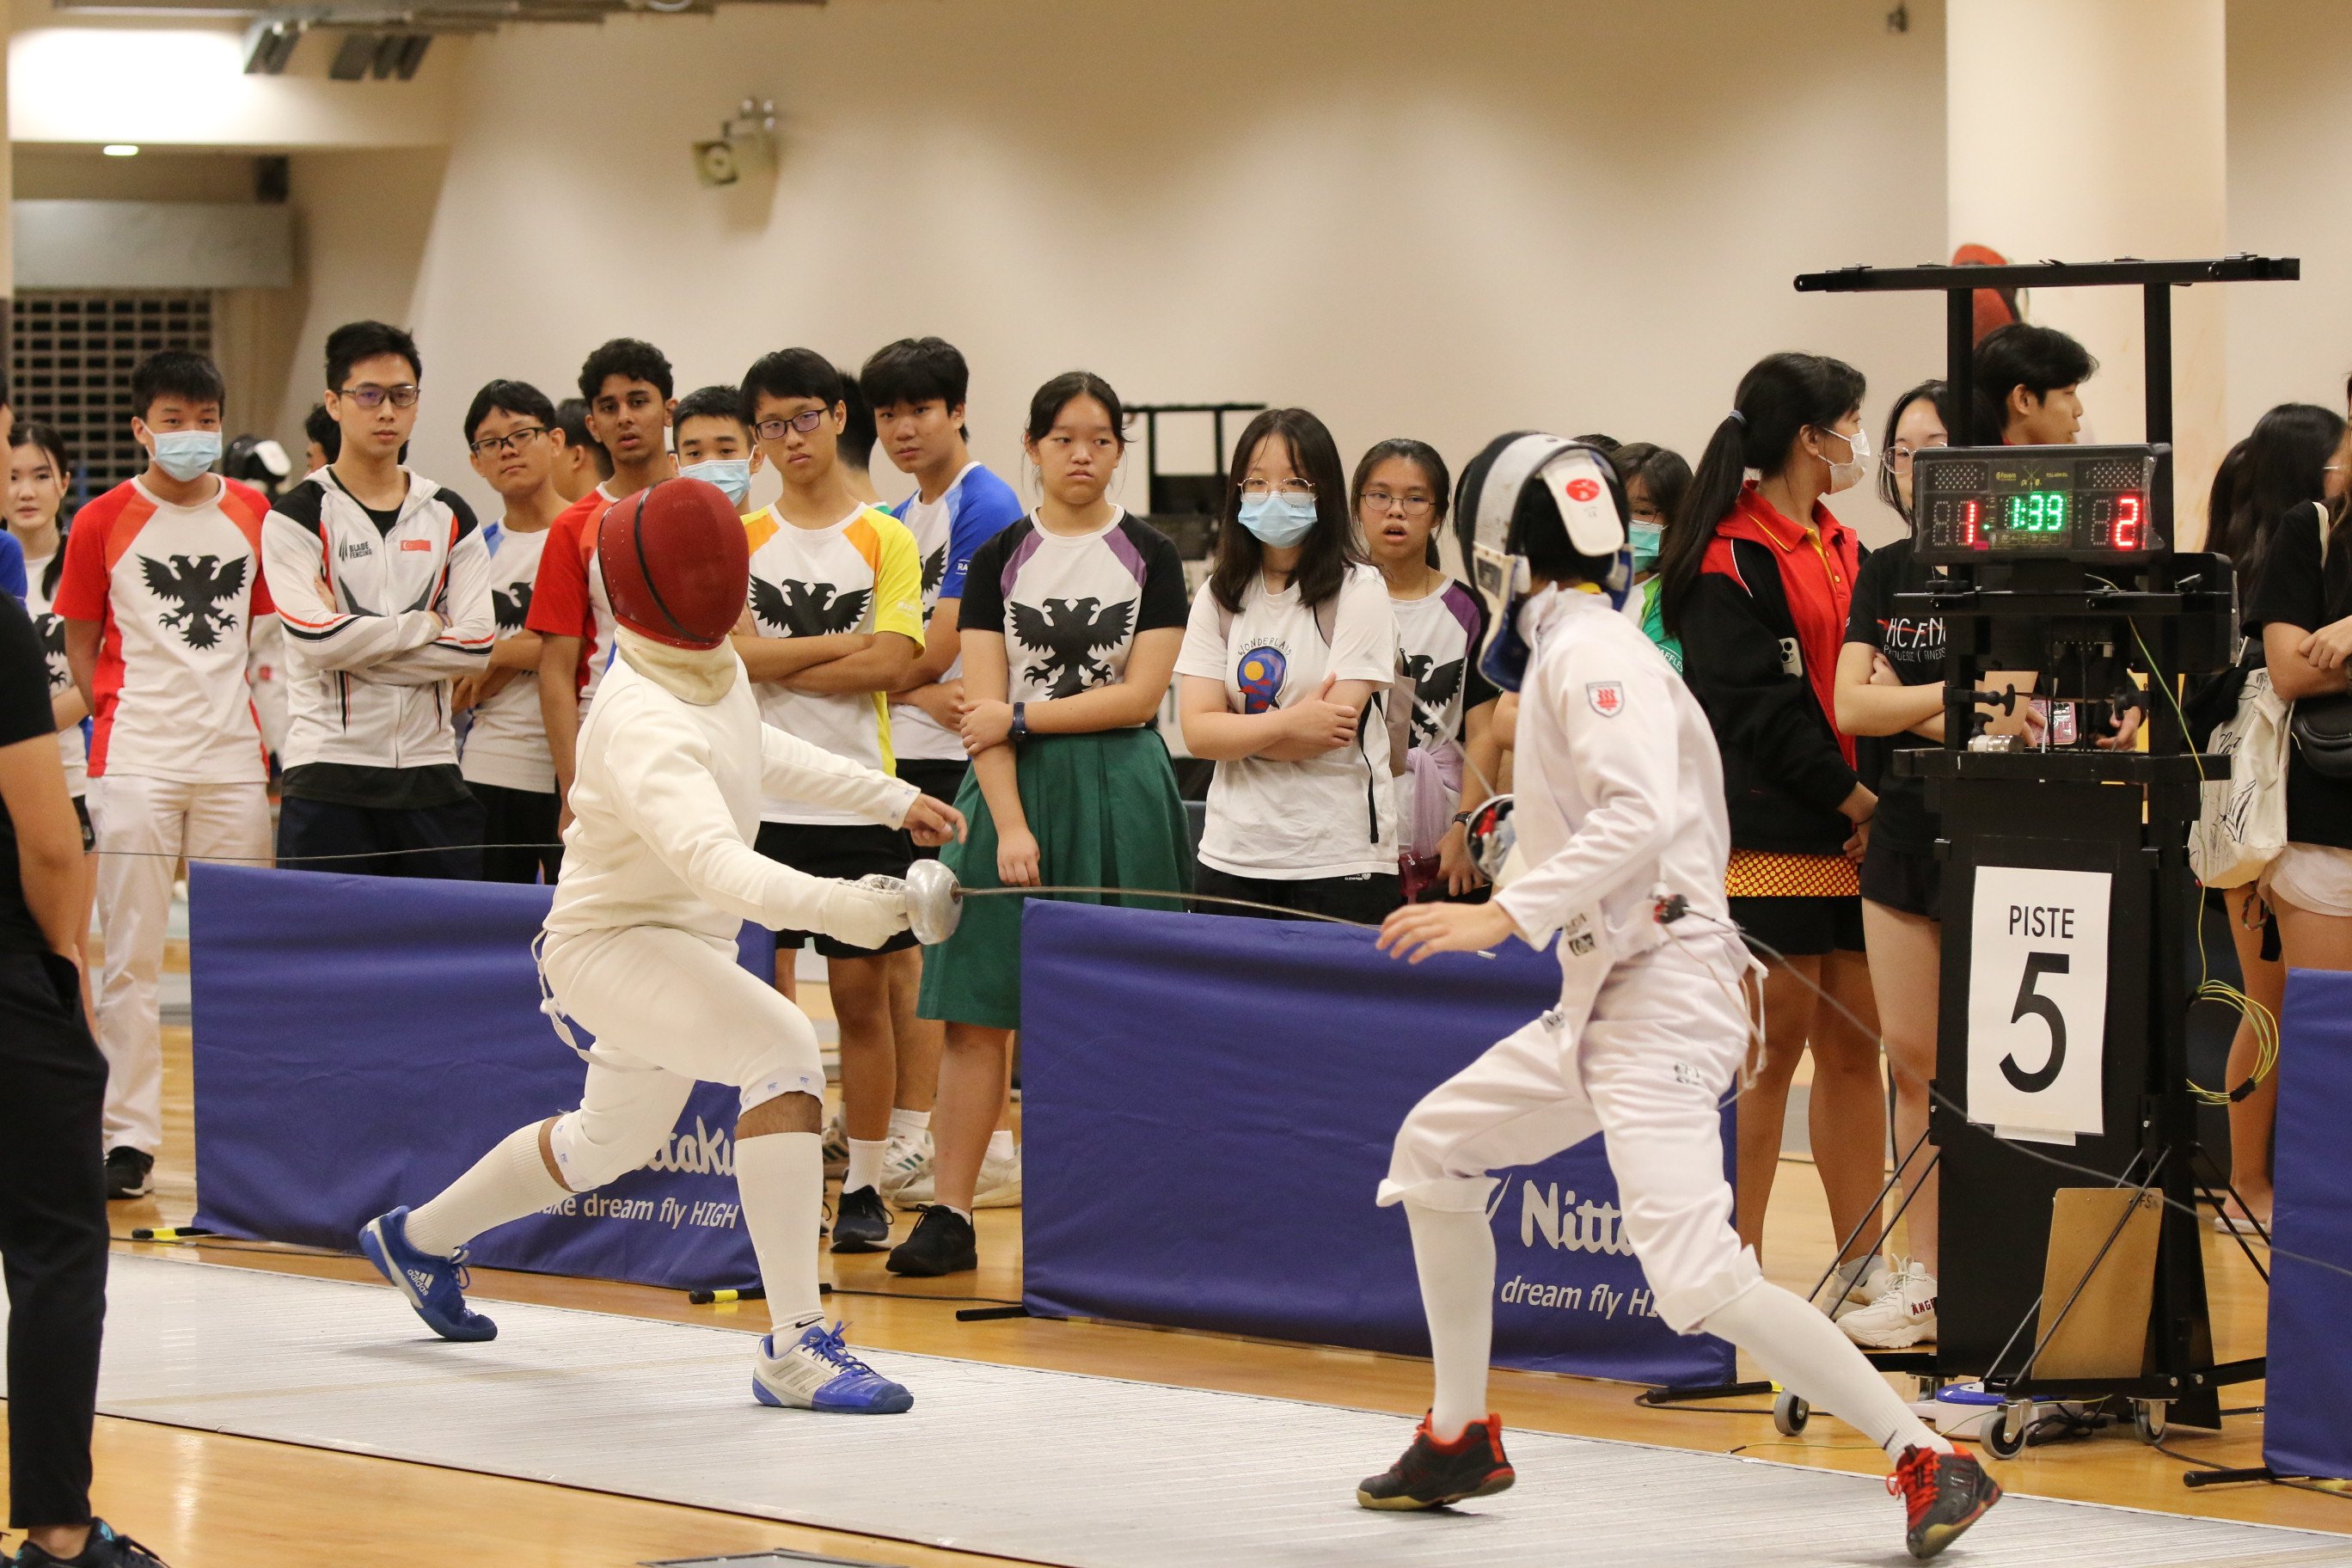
(2127, 522)
(1972, 533)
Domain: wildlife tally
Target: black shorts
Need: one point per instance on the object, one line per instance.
(1801, 927)
(518, 838)
(1902, 880)
(938, 778)
(88, 834)
(1365, 899)
(846, 850)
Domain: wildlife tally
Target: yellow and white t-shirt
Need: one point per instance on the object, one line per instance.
(862, 574)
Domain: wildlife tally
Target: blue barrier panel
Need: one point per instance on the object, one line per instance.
(2310, 1387)
(1208, 1105)
(360, 1041)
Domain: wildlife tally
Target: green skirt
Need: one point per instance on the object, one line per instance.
(1105, 813)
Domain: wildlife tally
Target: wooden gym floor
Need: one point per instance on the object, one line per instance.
(210, 1501)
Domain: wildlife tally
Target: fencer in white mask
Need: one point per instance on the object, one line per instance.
(1621, 841)
(639, 948)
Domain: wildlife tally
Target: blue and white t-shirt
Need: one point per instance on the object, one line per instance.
(506, 745)
(974, 509)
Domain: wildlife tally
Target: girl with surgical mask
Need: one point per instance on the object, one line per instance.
(1288, 664)
(1399, 498)
(1655, 480)
(1757, 578)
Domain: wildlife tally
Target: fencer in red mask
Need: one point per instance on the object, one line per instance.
(639, 948)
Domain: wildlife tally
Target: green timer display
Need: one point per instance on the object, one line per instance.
(2042, 511)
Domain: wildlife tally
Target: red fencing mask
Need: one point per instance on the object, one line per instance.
(676, 564)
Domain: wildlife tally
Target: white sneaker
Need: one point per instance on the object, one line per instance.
(1904, 1315)
(906, 1164)
(998, 1186)
(816, 1371)
(1857, 1281)
(836, 1149)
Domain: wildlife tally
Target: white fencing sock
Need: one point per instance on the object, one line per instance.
(999, 1145)
(506, 1183)
(908, 1123)
(866, 1159)
(1453, 1252)
(1811, 1357)
(781, 1178)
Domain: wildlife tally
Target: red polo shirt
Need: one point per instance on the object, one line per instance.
(1818, 566)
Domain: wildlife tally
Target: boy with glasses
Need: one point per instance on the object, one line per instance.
(161, 583)
(511, 431)
(628, 391)
(917, 389)
(383, 582)
(837, 619)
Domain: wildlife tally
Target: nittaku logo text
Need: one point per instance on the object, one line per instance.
(1567, 1224)
(705, 1152)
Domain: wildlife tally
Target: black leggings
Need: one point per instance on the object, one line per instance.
(52, 1235)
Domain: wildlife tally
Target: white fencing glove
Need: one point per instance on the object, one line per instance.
(864, 913)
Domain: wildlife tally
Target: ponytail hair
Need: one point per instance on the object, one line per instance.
(1779, 397)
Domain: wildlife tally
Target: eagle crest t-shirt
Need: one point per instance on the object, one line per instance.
(1334, 815)
(1438, 636)
(507, 746)
(861, 574)
(175, 589)
(1070, 606)
(973, 510)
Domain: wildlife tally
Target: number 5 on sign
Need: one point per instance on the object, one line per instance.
(2038, 1001)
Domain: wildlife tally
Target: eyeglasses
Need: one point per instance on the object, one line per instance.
(1899, 454)
(1294, 487)
(773, 429)
(1412, 504)
(372, 396)
(512, 441)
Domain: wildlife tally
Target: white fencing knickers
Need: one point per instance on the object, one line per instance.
(668, 1009)
(1641, 1051)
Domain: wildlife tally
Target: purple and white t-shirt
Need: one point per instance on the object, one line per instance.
(1071, 605)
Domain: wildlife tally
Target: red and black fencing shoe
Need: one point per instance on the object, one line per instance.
(1943, 1493)
(1437, 1474)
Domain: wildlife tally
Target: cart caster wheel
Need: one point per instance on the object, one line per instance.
(2149, 1420)
(2004, 1435)
(1789, 1415)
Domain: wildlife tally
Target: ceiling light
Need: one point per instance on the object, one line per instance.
(120, 150)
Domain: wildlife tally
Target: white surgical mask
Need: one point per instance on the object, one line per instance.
(1279, 520)
(731, 475)
(1846, 474)
(184, 454)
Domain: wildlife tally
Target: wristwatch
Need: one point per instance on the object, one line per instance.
(1021, 721)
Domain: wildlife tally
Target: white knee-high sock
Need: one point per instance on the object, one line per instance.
(1453, 1253)
(506, 1183)
(781, 1178)
(1811, 1357)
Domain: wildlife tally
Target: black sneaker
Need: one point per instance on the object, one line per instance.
(860, 1222)
(106, 1550)
(1436, 1475)
(943, 1243)
(1945, 1494)
(127, 1171)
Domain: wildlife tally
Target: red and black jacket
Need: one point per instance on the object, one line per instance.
(1761, 632)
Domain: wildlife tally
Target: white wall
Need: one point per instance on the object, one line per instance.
(1445, 221)
(2290, 194)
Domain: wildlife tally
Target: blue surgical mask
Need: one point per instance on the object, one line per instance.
(731, 475)
(184, 454)
(1279, 520)
(1648, 537)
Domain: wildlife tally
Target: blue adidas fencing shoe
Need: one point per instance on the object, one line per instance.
(436, 1287)
(817, 1373)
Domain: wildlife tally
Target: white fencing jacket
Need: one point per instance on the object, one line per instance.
(667, 800)
(367, 661)
(1619, 788)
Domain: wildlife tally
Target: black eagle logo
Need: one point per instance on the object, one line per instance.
(807, 609)
(1069, 635)
(51, 630)
(1434, 685)
(196, 587)
(510, 606)
(935, 570)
